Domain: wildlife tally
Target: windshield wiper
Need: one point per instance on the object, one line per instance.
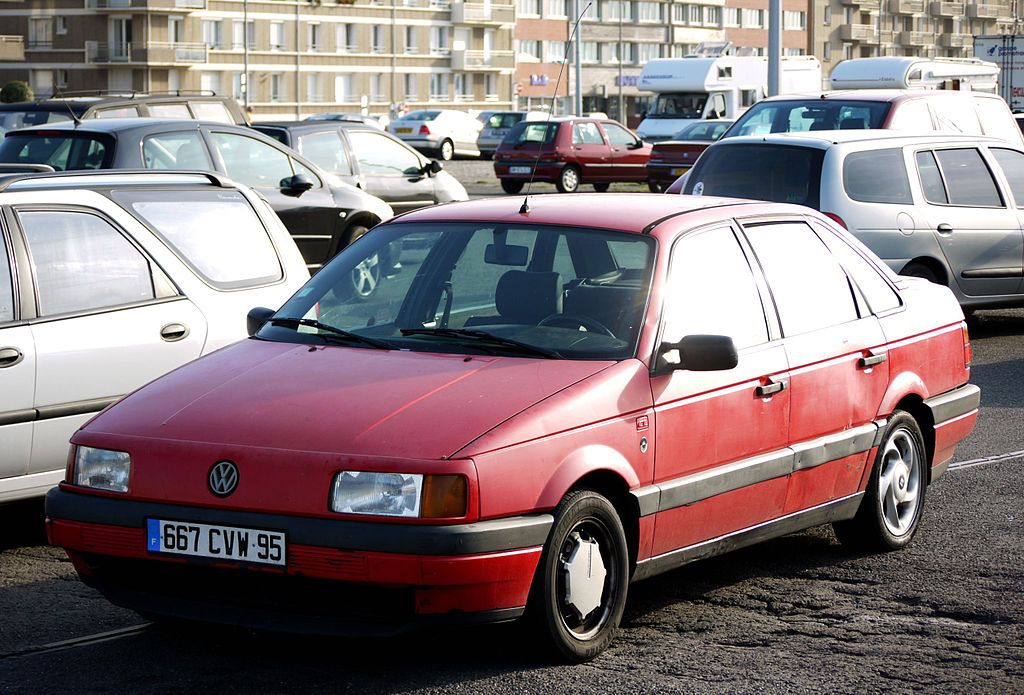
(332, 331)
(485, 337)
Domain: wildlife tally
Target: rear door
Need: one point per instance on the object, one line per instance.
(391, 170)
(17, 373)
(590, 151)
(977, 230)
(108, 321)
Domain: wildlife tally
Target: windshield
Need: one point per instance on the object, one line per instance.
(479, 288)
(704, 131)
(64, 151)
(810, 114)
(12, 120)
(678, 105)
(777, 173)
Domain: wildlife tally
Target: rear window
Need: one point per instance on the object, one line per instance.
(504, 120)
(421, 115)
(211, 111)
(63, 151)
(12, 120)
(810, 114)
(777, 173)
(877, 176)
(531, 131)
(216, 232)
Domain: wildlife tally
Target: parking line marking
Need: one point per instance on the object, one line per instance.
(77, 642)
(998, 458)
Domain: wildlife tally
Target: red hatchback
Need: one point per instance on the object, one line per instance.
(568, 152)
(544, 406)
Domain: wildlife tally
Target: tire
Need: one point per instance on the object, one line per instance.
(884, 521)
(601, 187)
(919, 270)
(512, 186)
(365, 276)
(656, 187)
(586, 524)
(447, 150)
(487, 156)
(569, 180)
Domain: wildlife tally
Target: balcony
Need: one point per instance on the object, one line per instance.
(953, 40)
(152, 53)
(858, 32)
(947, 9)
(481, 60)
(12, 48)
(863, 5)
(915, 38)
(906, 6)
(479, 13)
(980, 11)
(146, 5)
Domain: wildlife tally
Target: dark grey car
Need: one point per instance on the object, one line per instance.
(323, 213)
(371, 159)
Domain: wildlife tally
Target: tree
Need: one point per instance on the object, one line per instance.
(15, 91)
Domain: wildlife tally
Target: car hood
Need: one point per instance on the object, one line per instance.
(338, 400)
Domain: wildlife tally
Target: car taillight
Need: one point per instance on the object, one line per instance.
(424, 130)
(656, 159)
(968, 355)
(836, 218)
(550, 159)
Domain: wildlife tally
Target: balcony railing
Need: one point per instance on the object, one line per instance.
(906, 6)
(153, 52)
(858, 32)
(479, 13)
(483, 60)
(952, 40)
(861, 4)
(143, 5)
(915, 38)
(947, 9)
(983, 11)
(12, 47)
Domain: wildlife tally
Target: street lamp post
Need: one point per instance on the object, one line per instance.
(622, 116)
(245, 56)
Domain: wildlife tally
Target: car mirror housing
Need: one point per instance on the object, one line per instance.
(697, 353)
(256, 317)
(636, 145)
(296, 185)
(433, 167)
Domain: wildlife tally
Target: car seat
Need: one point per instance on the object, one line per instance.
(523, 297)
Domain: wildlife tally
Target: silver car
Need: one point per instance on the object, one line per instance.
(496, 127)
(943, 207)
(443, 133)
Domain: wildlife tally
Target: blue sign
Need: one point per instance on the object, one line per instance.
(538, 80)
(626, 80)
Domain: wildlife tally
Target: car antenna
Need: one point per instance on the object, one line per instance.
(71, 111)
(525, 208)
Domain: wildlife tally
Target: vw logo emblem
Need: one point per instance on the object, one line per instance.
(223, 478)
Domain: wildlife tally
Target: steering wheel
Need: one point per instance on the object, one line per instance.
(591, 325)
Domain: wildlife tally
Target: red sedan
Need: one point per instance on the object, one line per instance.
(673, 158)
(542, 406)
(568, 152)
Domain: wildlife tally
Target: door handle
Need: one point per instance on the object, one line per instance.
(10, 356)
(872, 360)
(772, 387)
(173, 332)
(944, 228)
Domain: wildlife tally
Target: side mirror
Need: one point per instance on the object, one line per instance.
(256, 317)
(296, 185)
(636, 145)
(433, 167)
(697, 353)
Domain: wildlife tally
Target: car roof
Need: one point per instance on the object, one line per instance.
(629, 212)
(823, 139)
(870, 94)
(111, 178)
(321, 124)
(124, 125)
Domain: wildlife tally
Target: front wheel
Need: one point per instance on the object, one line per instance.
(919, 270)
(584, 576)
(601, 187)
(511, 186)
(656, 186)
(890, 512)
(447, 150)
(568, 180)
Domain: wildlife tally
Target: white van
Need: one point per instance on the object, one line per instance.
(944, 207)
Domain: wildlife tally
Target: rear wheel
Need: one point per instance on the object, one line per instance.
(920, 270)
(656, 187)
(601, 187)
(511, 185)
(580, 591)
(447, 150)
(894, 500)
(568, 180)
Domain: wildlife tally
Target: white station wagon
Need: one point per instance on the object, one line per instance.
(109, 280)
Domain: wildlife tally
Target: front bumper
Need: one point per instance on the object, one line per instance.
(341, 576)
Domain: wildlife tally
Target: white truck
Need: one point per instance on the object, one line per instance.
(1006, 51)
(900, 72)
(695, 87)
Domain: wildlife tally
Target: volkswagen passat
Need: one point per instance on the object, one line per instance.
(551, 403)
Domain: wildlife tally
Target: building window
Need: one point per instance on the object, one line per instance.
(209, 82)
(236, 86)
(752, 19)
(491, 87)
(62, 24)
(826, 17)
(529, 50)
(277, 87)
(410, 87)
(410, 40)
(377, 39)
(439, 41)
(648, 51)
(238, 40)
(793, 52)
(731, 16)
(589, 52)
(345, 38)
(529, 8)
(826, 51)
(712, 16)
(60, 77)
(376, 88)
(277, 36)
(847, 51)
(795, 21)
(614, 10)
(696, 14)
(463, 87)
(439, 87)
(313, 88)
(212, 33)
(648, 12)
(556, 52)
(555, 9)
(314, 36)
(40, 33)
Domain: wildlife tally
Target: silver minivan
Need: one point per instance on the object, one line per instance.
(948, 208)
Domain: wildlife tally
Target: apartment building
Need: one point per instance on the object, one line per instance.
(300, 56)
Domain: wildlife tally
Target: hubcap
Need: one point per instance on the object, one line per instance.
(585, 573)
(569, 179)
(899, 482)
(587, 578)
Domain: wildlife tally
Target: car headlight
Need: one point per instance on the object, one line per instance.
(399, 494)
(102, 469)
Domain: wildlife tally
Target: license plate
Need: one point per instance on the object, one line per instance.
(519, 170)
(679, 171)
(220, 542)
(403, 130)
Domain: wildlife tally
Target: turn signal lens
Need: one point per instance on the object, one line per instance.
(836, 218)
(444, 496)
(968, 355)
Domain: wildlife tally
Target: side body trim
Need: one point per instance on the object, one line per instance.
(49, 412)
(955, 403)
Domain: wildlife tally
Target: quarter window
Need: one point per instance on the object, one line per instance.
(878, 293)
(379, 154)
(1012, 164)
(81, 262)
(252, 162)
(327, 151)
(183, 150)
(6, 286)
(931, 179)
(711, 290)
(877, 176)
(810, 289)
(969, 180)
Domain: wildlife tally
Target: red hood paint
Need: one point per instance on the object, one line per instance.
(339, 400)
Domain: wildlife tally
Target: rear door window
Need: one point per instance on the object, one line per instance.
(876, 290)
(380, 155)
(6, 284)
(877, 176)
(968, 180)
(181, 150)
(1012, 164)
(586, 134)
(326, 150)
(62, 151)
(250, 161)
(81, 262)
(776, 173)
